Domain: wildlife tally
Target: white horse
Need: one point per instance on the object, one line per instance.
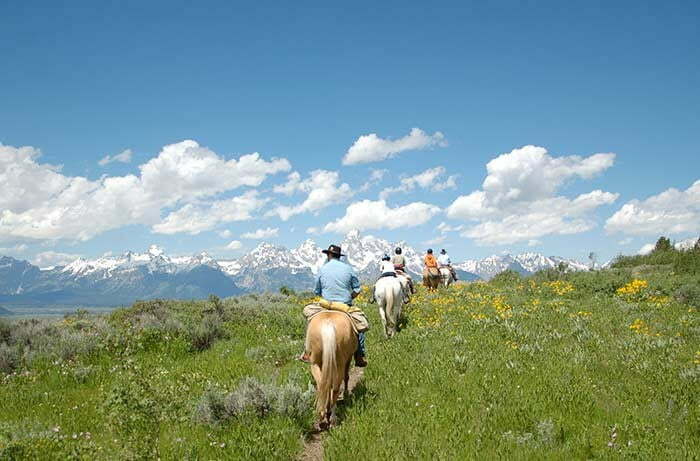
(446, 276)
(389, 295)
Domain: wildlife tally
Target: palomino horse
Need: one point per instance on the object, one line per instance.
(331, 342)
(431, 278)
(389, 295)
(446, 276)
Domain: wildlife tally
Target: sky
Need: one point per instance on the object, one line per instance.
(480, 127)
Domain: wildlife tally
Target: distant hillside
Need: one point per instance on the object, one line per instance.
(123, 279)
(4, 311)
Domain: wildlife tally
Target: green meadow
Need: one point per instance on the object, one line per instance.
(558, 365)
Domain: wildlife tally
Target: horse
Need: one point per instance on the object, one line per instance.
(331, 342)
(389, 294)
(431, 278)
(446, 276)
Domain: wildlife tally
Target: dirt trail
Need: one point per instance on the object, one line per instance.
(313, 446)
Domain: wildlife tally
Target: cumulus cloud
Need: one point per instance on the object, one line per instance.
(123, 157)
(234, 245)
(646, 249)
(375, 177)
(671, 212)
(193, 219)
(428, 179)
(518, 200)
(436, 241)
(371, 148)
(368, 214)
(53, 258)
(322, 189)
(38, 202)
(444, 228)
(225, 234)
(261, 234)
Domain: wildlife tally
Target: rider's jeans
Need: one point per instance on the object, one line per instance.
(360, 345)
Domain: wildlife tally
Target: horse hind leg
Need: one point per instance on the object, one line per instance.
(346, 381)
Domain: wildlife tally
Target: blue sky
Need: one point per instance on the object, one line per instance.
(304, 82)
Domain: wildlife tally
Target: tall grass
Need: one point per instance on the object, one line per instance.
(559, 365)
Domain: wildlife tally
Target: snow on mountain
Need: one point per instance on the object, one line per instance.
(362, 252)
(685, 245)
(153, 273)
(525, 263)
(309, 254)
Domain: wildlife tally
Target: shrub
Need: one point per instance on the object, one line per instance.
(255, 397)
(507, 277)
(286, 291)
(210, 408)
(203, 335)
(9, 358)
(663, 244)
(5, 331)
(688, 294)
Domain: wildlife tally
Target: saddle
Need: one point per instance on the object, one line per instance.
(357, 317)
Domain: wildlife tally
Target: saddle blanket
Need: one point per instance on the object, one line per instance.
(358, 318)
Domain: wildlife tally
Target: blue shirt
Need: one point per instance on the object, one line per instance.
(336, 281)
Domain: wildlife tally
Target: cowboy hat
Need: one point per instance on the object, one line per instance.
(333, 250)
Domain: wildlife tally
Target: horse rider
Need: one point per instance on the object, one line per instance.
(400, 266)
(444, 261)
(338, 285)
(429, 260)
(387, 270)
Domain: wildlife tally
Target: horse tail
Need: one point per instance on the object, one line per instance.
(389, 302)
(329, 369)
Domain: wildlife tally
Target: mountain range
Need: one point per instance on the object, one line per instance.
(119, 280)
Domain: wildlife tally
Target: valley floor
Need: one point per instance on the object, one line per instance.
(601, 364)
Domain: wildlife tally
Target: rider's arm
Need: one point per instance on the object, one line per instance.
(317, 288)
(355, 283)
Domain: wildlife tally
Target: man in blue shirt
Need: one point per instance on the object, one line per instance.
(337, 281)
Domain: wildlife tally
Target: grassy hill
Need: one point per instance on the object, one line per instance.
(583, 365)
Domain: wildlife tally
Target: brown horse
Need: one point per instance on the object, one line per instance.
(431, 278)
(331, 342)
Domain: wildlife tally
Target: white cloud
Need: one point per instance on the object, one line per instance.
(375, 177)
(371, 148)
(313, 230)
(444, 228)
(671, 212)
(428, 179)
(38, 202)
(646, 249)
(533, 243)
(626, 241)
(518, 200)
(261, 234)
(13, 250)
(234, 245)
(123, 157)
(435, 241)
(193, 219)
(225, 234)
(322, 188)
(369, 214)
(292, 185)
(52, 258)
(557, 215)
